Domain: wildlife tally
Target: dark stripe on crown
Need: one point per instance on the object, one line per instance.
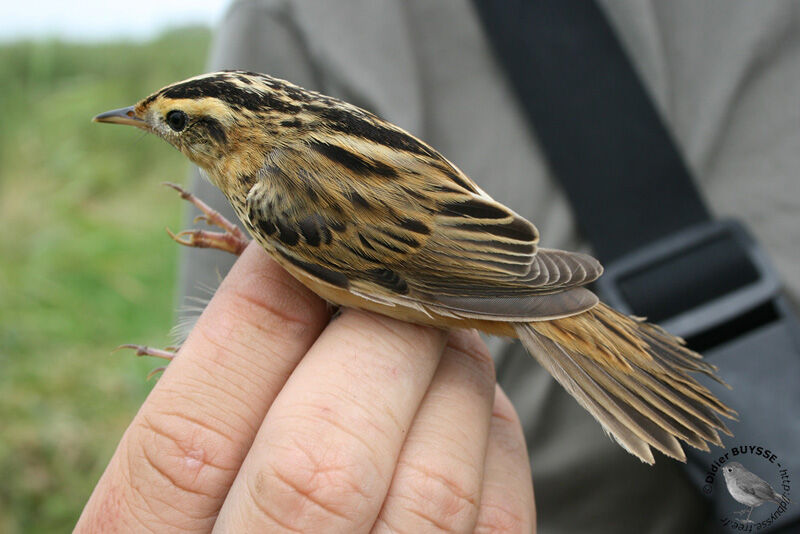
(358, 122)
(221, 87)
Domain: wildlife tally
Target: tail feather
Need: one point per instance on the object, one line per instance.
(549, 355)
(692, 416)
(671, 415)
(633, 377)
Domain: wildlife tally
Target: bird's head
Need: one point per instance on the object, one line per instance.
(225, 122)
(731, 469)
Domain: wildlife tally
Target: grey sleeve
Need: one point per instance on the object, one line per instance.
(262, 36)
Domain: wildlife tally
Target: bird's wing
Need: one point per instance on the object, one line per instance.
(412, 230)
(757, 486)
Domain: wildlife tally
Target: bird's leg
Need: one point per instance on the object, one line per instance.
(231, 240)
(142, 350)
(748, 511)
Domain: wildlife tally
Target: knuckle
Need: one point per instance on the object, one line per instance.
(298, 487)
(501, 518)
(277, 293)
(477, 355)
(172, 453)
(449, 501)
(276, 315)
(506, 430)
(265, 303)
(508, 438)
(393, 334)
(240, 328)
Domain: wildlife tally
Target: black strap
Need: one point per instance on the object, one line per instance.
(602, 136)
(635, 200)
(625, 178)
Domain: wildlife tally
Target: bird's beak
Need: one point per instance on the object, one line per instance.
(121, 116)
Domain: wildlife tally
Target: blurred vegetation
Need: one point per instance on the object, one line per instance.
(84, 262)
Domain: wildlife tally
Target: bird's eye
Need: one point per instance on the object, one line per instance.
(177, 119)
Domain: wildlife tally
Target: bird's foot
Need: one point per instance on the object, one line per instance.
(231, 240)
(143, 350)
(748, 511)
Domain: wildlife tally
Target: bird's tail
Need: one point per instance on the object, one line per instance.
(633, 377)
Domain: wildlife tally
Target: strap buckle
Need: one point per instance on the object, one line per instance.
(692, 281)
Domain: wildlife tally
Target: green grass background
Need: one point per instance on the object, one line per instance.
(85, 263)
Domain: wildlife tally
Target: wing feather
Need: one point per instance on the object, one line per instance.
(422, 235)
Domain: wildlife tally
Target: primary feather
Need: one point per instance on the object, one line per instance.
(369, 216)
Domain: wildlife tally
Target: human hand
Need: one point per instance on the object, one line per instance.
(271, 419)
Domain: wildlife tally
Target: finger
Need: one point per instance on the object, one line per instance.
(507, 503)
(180, 455)
(324, 458)
(438, 479)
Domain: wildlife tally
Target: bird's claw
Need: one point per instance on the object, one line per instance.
(167, 353)
(154, 372)
(224, 241)
(231, 240)
(748, 511)
(143, 350)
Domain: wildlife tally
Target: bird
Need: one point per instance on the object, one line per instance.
(748, 488)
(368, 216)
